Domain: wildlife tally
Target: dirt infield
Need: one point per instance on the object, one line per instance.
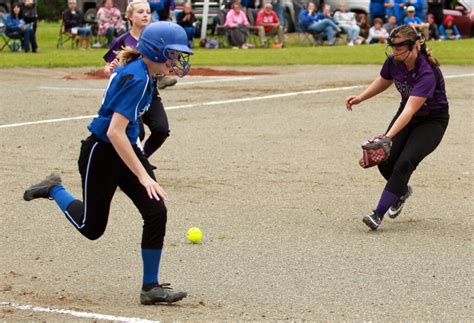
(274, 185)
(98, 74)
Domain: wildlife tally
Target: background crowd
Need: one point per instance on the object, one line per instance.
(244, 23)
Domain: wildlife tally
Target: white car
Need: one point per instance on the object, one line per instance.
(357, 6)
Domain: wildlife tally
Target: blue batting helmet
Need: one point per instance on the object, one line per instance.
(163, 40)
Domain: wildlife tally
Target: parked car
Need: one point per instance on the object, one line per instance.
(463, 16)
(357, 6)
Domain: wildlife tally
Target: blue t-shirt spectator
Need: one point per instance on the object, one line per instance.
(414, 20)
(306, 19)
(419, 7)
(446, 33)
(13, 24)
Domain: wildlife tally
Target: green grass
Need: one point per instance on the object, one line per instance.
(449, 53)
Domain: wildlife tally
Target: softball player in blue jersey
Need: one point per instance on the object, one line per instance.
(138, 13)
(110, 158)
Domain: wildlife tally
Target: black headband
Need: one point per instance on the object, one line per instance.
(407, 42)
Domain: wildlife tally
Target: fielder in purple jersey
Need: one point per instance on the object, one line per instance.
(138, 13)
(420, 122)
(124, 40)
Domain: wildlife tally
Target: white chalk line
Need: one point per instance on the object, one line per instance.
(203, 104)
(458, 76)
(214, 80)
(195, 105)
(87, 315)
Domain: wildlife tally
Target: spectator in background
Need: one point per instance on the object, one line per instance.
(448, 30)
(237, 26)
(312, 21)
(419, 8)
(416, 22)
(399, 10)
(389, 10)
(346, 21)
(268, 25)
(110, 21)
(155, 6)
(377, 9)
(167, 10)
(435, 7)
(298, 6)
(186, 20)
(433, 30)
(377, 34)
(391, 24)
(279, 7)
(30, 16)
(16, 26)
(364, 28)
(244, 4)
(74, 23)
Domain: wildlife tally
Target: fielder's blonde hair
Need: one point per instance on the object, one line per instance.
(132, 5)
(127, 55)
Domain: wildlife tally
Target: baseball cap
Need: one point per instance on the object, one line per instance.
(411, 9)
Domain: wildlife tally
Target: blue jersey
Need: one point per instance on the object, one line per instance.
(129, 92)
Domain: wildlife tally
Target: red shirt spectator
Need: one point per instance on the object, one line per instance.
(267, 18)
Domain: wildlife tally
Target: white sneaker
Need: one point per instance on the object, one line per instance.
(351, 43)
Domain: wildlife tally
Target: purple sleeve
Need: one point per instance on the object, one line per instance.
(425, 85)
(114, 47)
(385, 72)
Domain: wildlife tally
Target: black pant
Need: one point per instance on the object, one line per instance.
(410, 146)
(238, 35)
(102, 171)
(34, 21)
(157, 121)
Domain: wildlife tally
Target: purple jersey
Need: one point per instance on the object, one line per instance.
(124, 40)
(421, 81)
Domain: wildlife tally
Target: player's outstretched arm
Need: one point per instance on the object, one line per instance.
(118, 138)
(377, 86)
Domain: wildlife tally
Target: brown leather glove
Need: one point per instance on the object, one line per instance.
(375, 151)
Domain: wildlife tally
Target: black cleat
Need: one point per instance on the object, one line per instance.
(396, 209)
(373, 220)
(41, 190)
(161, 294)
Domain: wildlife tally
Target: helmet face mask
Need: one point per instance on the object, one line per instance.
(165, 41)
(179, 61)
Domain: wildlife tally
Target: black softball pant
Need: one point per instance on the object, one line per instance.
(157, 121)
(410, 146)
(102, 171)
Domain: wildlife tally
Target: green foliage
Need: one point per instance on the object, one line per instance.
(50, 10)
(448, 53)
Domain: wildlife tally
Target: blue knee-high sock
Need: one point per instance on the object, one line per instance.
(62, 197)
(386, 201)
(151, 264)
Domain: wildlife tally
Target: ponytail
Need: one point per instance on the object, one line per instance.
(127, 55)
(427, 52)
